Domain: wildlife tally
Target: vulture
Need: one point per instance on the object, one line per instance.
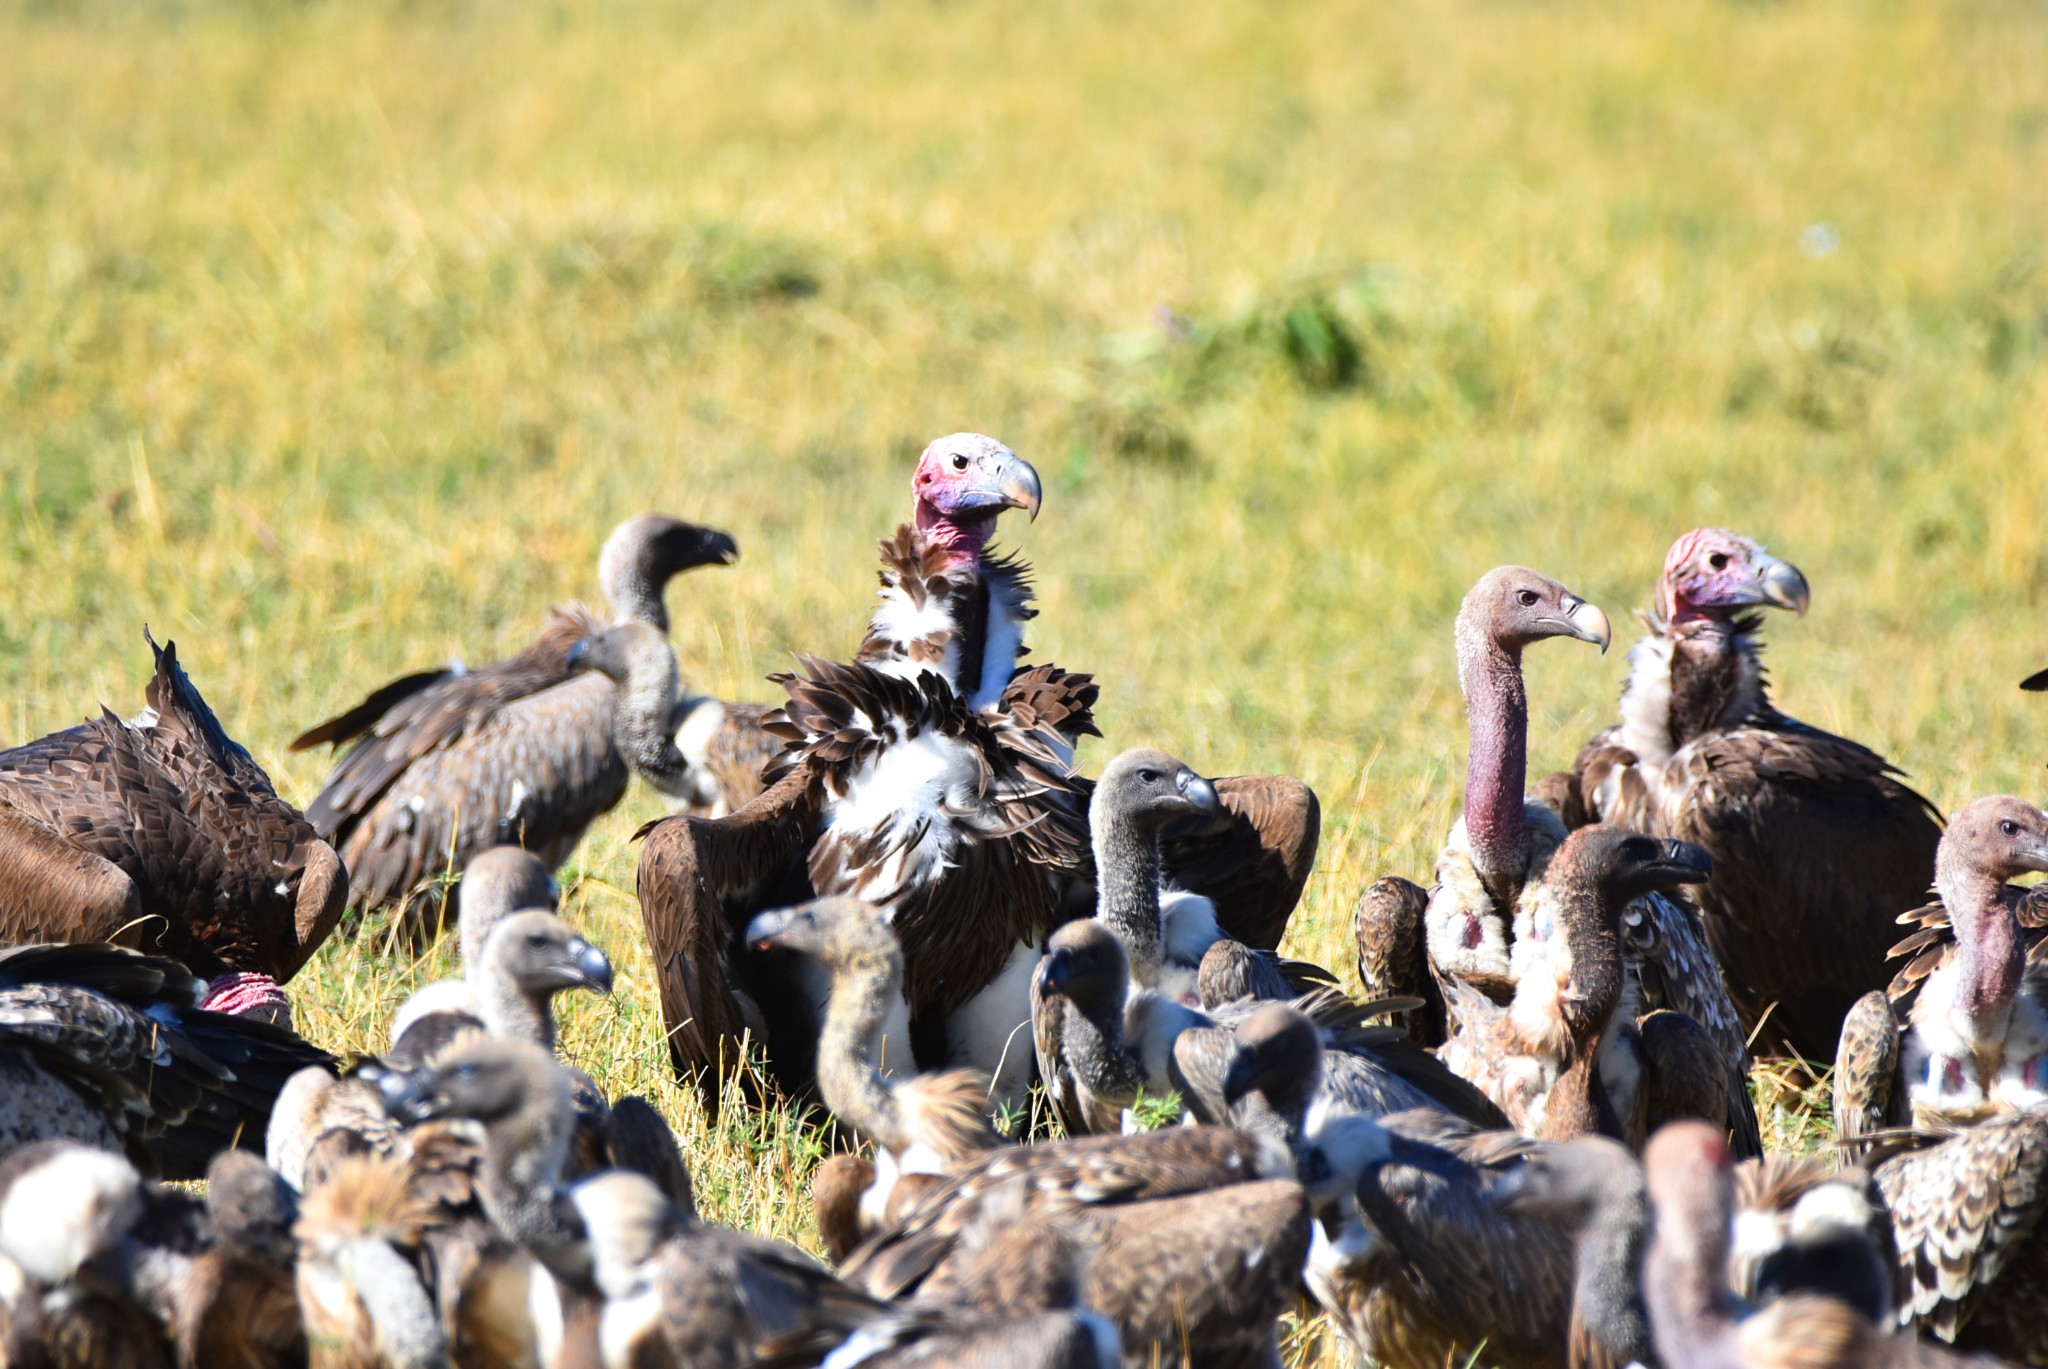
(105, 1046)
(359, 1284)
(1573, 1052)
(1818, 844)
(932, 775)
(162, 833)
(1484, 918)
(1975, 1037)
(498, 882)
(1800, 1227)
(1970, 1214)
(445, 763)
(1697, 1322)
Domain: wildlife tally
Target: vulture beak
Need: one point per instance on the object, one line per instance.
(1782, 585)
(1054, 971)
(1584, 621)
(408, 1097)
(1509, 1189)
(765, 932)
(1679, 862)
(1006, 482)
(579, 654)
(591, 967)
(1199, 792)
(2035, 683)
(715, 548)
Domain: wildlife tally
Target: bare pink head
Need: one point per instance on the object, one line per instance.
(1711, 572)
(248, 995)
(963, 483)
(1998, 838)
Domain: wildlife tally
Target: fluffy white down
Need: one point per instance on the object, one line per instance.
(1152, 1023)
(442, 995)
(1187, 929)
(919, 782)
(991, 1032)
(1646, 702)
(899, 618)
(66, 1210)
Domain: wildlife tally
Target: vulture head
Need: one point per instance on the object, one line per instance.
(252, 1209)
(1991, 841)
(1690, 1176)
(1278, 1051)
(1085, 964)
(1711, 572)
(1146, 789)
(486, 1079)
(1997, 838)
(843, 935)
(542, 955)
(497, 881)
(644, 552)
(1513, 607)
(963, 482)
(1568, 1183)
(1620, 866)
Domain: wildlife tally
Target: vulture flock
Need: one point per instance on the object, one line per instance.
(1086, 1114)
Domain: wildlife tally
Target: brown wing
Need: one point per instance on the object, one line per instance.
(1964, 1212)
(1687, 1076)
(1254, 865)
(699, 881)
(1932, 943)
(1668, 952)
(1817, 848)
(836, 1187)
(1607, 785)
(1866, 1068)
(1062, 1089)
(1393, 959)
(740, 752)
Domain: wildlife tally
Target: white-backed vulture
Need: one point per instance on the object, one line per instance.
(109, 1047)
(499, 881)
(162, 833)
(1696, 1321)
(1817, 842)
(1572, 1052)
(1974, 1041)
(445, 763)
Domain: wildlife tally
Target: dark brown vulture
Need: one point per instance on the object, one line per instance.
(932, 776)
(1697, 1322)
(1486, 917)
(1974, 1042)
(162, 833)
(106, 1046)
(446, 763)
(1817, 844)
(1573, 1053)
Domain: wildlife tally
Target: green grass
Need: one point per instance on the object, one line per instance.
(334, 337)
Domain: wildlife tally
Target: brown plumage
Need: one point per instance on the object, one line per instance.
(162, 833)
(1974, 1037)
(447, 763)
(1817, 842)
(1090, 1072)
(359, 1284)
(1387, 927)
(1696, 1322)
(237, 1304)
(106, 1046)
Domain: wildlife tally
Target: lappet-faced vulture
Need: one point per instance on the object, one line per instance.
(1817, 843)
(445, 763)
(1485, 916)
(932, 776)
(1974, 1042)
(161, 832)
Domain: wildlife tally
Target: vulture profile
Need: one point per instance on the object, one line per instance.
(1975, 1037)
(1818, 844)
(499, 881)
(102, 1045)
(162, 833)
(1572, 1052)
(1697, 1322)
(445, 763)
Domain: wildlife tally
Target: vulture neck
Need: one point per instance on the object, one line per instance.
(949, 607)
(1685, 1274)
(524, 1156)
(510, 1010)
(634, 595)
(1700, 673)
(1991, 956)
(850, 1047)
(1496, 760)
(1578, 1103)
(1093, 1042)
(643, 718)
(1127, 892)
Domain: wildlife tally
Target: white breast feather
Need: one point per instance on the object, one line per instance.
(901, 620)
(925, 781)
(1646, 702)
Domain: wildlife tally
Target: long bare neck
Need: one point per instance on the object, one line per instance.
(1496, 759)
(1127, 892)
(509, 1010)
(1990, 953)
(643, 718)
(850, 1047)
(1685, 1283)
(633, 594)
(524, 1156)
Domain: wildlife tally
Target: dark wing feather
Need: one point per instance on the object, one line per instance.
(1866, 1068)
(347, 726)
(1255, 863)
(1688, 1076)
(1393, 957)
(1667, 950)
(699, 881)
(740, 753)
(1932, 943)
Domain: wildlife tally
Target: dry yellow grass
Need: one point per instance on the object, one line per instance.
(334, 337)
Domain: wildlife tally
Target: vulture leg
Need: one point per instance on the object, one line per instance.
(1686, 1076)
(699, 881)
(1865, 1065)
(51, 890)
(1393, 960)
(1253, 865)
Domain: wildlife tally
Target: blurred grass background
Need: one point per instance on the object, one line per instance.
(334, 338)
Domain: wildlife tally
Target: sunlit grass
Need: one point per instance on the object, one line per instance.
(334, 338)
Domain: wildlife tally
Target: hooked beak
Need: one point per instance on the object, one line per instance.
(410, 1097)
(1016, 486)
(1509, 1189)
(715, 548)
(1680, 862)
(1054, 971)
(2036, 682)
(1584, 621)
(765, 931)
(1783, 586)
(591, 967)
(1199, 792)
(579, 654)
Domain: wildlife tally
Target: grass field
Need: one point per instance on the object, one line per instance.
(334, 338)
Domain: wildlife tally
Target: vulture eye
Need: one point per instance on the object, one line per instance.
(1152, 777)
(1719, 560)
(538, 940)
(465, 1072)
(2009, 827)
(1527, 598)
(959, 461)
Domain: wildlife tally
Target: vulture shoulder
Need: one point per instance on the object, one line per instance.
(1255, 864)
(1687, 1075)
(1967, 1216)
(1932, 943)
(730, 744)
(699, 881)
